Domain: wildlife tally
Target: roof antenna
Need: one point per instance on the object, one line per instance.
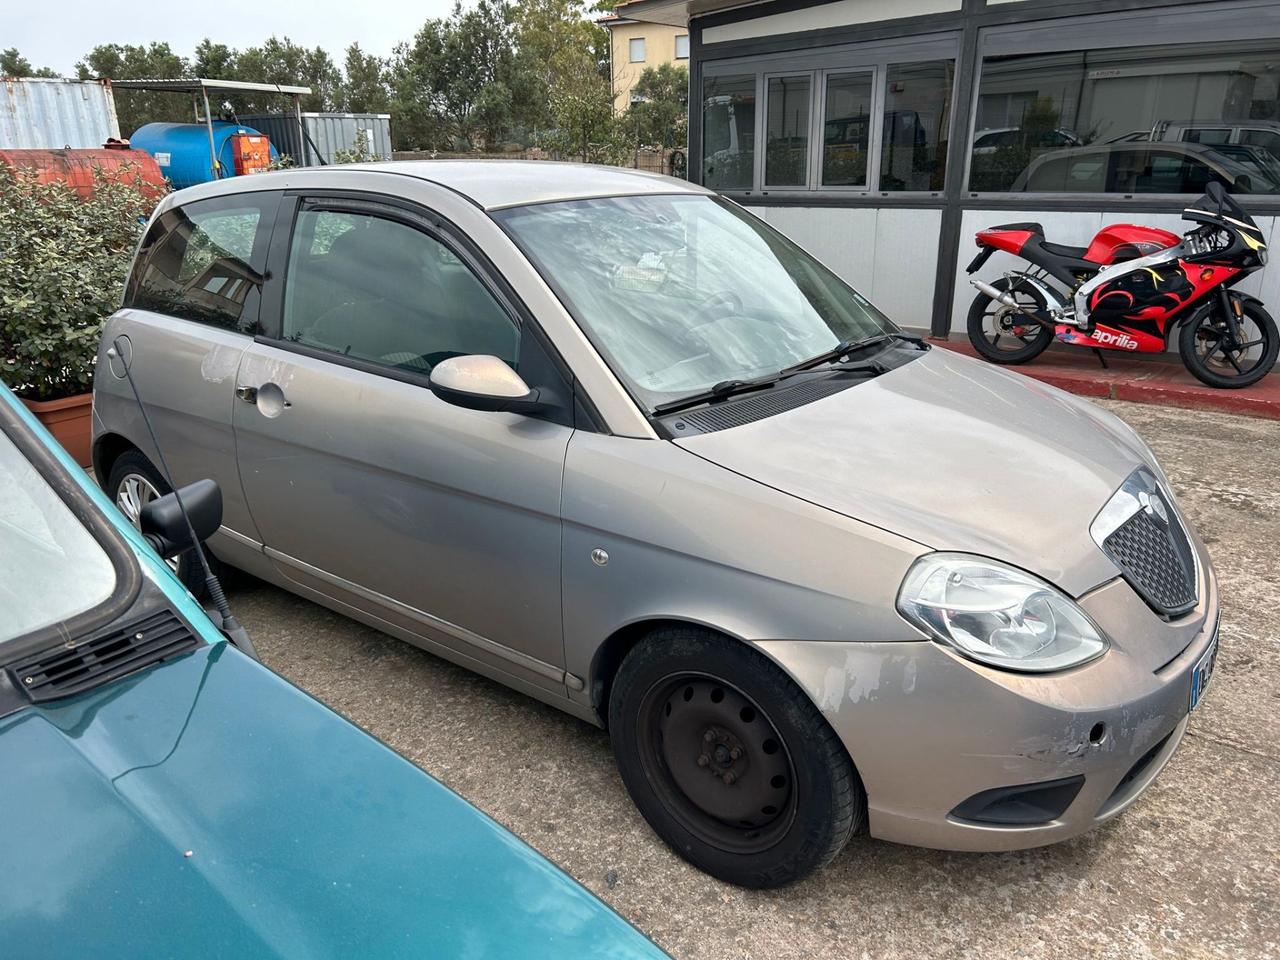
(230, 625)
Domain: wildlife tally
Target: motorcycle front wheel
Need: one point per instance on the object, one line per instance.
(1219, 359)
(1002, 334)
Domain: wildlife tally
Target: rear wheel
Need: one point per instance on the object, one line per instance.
(1216, 357)
(1002, 334)
(729, 760)
(133, 483)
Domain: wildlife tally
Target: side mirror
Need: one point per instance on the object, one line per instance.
(482, 382)
(165, 528)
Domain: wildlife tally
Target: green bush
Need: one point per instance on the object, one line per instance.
(63, 263)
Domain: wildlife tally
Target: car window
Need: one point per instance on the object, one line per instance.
(51, 567)
(204, 261)
(376, 289)
(1207, 134)
(1267, 139)
(1086, 173)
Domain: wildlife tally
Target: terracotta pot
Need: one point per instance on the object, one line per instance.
(70, 422)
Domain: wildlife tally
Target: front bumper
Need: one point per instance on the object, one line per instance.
(929, 729)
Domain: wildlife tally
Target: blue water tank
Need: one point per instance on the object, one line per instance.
(182, 149)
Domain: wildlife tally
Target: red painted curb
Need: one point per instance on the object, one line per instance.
(1141, 381)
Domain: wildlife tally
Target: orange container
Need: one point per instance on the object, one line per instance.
(76, 167)
(251, 153)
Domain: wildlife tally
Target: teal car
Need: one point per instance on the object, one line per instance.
(165, 795)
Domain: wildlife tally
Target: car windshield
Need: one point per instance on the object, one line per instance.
(51, 567)
(681, 293)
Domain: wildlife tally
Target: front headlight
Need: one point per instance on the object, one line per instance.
(997, 614)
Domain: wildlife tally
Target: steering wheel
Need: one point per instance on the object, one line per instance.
(718, 305)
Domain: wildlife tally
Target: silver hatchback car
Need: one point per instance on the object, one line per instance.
(613, 441)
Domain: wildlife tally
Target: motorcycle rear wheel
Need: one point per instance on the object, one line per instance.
(1000, 334)
(1213, 357)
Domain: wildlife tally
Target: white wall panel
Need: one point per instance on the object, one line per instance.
(890, 255)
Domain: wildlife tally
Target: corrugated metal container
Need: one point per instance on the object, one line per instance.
(37, 114)
(329, 133)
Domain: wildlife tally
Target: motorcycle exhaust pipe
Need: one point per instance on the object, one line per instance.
(1004, 298)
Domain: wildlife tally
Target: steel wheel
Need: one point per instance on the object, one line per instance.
(133, 492)
(718, 762)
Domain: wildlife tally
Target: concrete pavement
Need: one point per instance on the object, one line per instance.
(1192, 870)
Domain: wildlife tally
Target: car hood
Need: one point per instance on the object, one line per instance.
(206, 807)
(954, 454)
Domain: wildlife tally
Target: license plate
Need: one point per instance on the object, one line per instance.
(1203, 671)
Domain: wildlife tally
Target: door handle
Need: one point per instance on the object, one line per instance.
(247, 394)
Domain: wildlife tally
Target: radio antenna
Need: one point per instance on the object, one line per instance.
(230, 625)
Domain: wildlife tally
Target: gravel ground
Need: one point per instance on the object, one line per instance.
(1192, 870)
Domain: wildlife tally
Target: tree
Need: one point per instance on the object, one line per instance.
(284, 62)
(454, 81)
(13, 64)
(214, 61)
(661, 116)
(365, 88)
(133, 62)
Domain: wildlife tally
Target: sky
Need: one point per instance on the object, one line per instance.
(61, 33)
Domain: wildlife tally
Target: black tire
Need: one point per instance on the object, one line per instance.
(982, 314)
(683, 701)
(1200, 345)
(132, 465)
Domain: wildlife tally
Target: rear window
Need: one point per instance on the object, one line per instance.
(204, 261)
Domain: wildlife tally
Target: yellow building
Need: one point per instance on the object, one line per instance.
(636, 46)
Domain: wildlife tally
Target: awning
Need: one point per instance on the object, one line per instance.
(677, 12)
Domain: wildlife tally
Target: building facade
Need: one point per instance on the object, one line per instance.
(882, 134)
(635, 45)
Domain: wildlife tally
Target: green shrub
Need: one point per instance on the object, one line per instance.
(63, 263)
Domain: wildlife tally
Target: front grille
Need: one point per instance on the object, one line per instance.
(68, 670)
(1157, 561)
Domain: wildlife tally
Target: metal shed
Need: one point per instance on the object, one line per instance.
(327, 133)
(46, 114)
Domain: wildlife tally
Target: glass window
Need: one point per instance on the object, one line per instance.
(1199, 102)
(846, 129)
(51, 567)
(382, 291)
(203, 261)
(682, 47)
(683, 292)
(917, 115)
(786, 158)
(728, 132)
(636, 49)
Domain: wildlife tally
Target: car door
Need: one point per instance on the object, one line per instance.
(440, 522)
(190, 310)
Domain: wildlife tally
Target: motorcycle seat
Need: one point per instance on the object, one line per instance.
(1062, 250)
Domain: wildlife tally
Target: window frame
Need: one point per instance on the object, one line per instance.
(762, 128)
(631, 46)
(532, 338)
(268, 201)
(1134, 30)
(675, 47)
(271, 326)
(872, 56)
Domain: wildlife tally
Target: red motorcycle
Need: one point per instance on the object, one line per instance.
(1129, 290)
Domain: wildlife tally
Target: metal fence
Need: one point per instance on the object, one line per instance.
(327, 134)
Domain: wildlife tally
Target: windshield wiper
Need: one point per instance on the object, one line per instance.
(845, 349)
(723, 389)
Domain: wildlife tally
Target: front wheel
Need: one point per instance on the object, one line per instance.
(729, 760)
(1216, 357)
(1002, 334)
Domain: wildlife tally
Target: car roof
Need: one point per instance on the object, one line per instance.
(489, 184)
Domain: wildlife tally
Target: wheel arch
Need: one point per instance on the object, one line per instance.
(107, 449)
